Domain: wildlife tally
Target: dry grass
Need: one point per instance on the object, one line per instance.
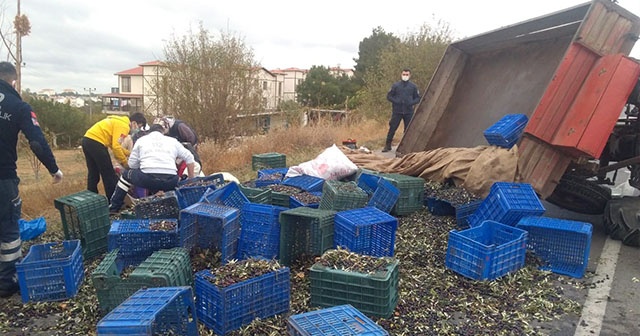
(298, 144)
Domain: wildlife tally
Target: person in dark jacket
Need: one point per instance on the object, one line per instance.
(403, 96)
(15, 116)
(178, 129)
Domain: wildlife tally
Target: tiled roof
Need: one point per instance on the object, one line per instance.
(151, 63)
(133, 71)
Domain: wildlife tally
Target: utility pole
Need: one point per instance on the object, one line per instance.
(90, 102)
(19, 33)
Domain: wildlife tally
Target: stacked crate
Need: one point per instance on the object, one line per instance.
(298, 200)
(411, 198)
(256, 195)
(507, 203)
(270, 176)
(338, 196)
(268, 160)
(191, 190)
(157, 206)
(85, 216)
(305, 231)
(153, 311)
(229, 195)
(224, 309)
(367, 231)
(305, 182)
(373, 294)
(136, 239)
(211, 226)
(259, 231)
(114, 282)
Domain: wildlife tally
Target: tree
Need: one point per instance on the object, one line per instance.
(421, 52)
(209, 82)
(369, 51)
(21, 27)
(60, 120)
(321, 88)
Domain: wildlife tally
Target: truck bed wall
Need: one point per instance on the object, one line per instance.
(509, 70)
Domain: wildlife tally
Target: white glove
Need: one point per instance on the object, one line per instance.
(57, 177)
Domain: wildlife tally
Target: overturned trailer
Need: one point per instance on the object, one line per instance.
(568, 71)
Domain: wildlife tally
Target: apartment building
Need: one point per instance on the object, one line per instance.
(135, 87)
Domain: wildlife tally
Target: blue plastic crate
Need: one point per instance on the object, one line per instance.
(295, 203)
(305, 182)
(563, 245)
(487, 251)
(136, 241)
(507, 203)
(366, 230)
(229, 308)
(157, 206)
(439, 207)
(259, 231)
(211, 226)
(153, 311)
(368, 182)
(385, 196)
(191, 190)
(338, 320)
(229, 195)
(463, 211)
(506, 132)
(51, 271)
(270, 176)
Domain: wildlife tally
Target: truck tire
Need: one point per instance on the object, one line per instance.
(580, 195)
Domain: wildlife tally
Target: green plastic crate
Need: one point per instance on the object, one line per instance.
(341, 196)
(411, 197)
(373, 294)
(257, 195)
(305, 230)
(268, 160)
(111, 288)
(170, 267)
(85, 216)
(164, 268)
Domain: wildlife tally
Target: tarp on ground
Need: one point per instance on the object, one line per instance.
(475, 169)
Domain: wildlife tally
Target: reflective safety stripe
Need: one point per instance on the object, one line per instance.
(11, 245)
(11, 256)
(123, 185)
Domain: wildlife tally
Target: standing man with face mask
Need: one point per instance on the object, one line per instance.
(15, 116)
(403, 96)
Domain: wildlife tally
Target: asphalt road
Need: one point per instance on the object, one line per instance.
(610, 290)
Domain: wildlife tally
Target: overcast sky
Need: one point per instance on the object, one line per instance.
(78, 44)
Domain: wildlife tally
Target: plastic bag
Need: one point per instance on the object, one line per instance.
(32, 229)
(331, 164)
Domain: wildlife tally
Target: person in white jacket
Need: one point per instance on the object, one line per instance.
(152, 165)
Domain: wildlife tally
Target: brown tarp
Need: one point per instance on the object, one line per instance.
(472, 168)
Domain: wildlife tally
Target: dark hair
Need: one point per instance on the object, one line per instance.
(406, 70)
(139, 118)
(8, 72)
(156, 128)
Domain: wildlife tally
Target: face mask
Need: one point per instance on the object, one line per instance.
(405, 78)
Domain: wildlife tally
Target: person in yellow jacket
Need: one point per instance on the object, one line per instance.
(103, 135)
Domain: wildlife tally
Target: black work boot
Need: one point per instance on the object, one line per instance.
(387, 147)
